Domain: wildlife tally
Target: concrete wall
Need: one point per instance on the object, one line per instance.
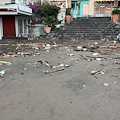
(86, 9)
(91, 7)
(5, 1)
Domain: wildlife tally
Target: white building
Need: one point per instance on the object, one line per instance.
(14, 17)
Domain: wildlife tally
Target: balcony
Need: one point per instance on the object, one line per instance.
(15, 7)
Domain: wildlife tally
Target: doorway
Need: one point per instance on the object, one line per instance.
(78, 8)
(8, 26)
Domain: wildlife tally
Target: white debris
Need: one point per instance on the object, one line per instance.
(105, 84)
(115, 82)
(98, 59)
(95, 54)
(84, 49)
(70, 55)
(2, 72)
(93, 72)
(47, 47)
(79, 47)
(66, 65)
(115, 42)
(92, 46)
(84, 86)
(36, 48)
(96, 43)
(61, 65)
(26, 69)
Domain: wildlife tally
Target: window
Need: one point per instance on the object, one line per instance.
(20, 26)
(108, 5)
(23, 26)
(24, 1)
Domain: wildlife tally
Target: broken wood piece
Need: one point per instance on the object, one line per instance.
(5, 62)
(88, 59)
(98, 72)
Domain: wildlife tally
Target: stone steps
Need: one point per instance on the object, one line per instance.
(91, 28)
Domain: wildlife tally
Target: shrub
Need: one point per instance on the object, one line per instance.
(116, 11)
(46, 12)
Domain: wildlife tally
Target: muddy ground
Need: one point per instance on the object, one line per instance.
(57, 84)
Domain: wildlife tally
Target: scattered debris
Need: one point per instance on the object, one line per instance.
(115, 75)
(2, 72)
(70, 55)
(118, 38)
(95, 54)
(77, 49)
(26, 68)
(84, 86)
(42, 62)
(105, 84)
(96, 72)
(5, 62)
(56, 68)
(104, 64)
(115, 82)
(99, 59)
(47, 47)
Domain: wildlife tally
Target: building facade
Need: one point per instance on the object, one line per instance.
(83, 8)
(14, 18)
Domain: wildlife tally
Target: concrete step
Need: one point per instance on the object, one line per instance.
(92, 28)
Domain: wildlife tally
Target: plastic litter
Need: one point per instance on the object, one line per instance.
(115, 82)
(47, 47)
(96, 43)
(77, 49)
(105, 84)
(108, 39)
(84, 86)
(118, 38)
(102, 39)
(98, 59)
(2, 72)
(95, 54)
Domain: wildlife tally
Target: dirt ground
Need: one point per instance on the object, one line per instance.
(57, 84)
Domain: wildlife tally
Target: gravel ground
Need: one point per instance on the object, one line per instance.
(27, 93)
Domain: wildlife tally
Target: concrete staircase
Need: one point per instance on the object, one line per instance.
(92, 28)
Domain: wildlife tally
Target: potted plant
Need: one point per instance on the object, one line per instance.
(115, 15)
(68, 15)
(46, 12)
(49, 21)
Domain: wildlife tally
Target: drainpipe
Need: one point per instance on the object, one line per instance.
(66, 4)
